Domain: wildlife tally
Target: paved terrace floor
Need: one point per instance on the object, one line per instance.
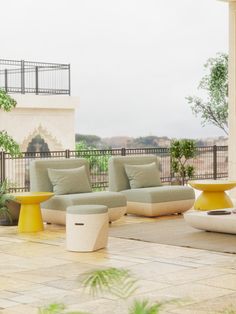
(37, 270)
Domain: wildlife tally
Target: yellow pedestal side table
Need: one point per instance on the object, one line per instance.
(213, 194)
(30, 219)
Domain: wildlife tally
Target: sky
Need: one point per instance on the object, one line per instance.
(133, 61)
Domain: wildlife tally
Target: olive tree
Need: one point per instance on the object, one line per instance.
(212, 107)
(181, 151)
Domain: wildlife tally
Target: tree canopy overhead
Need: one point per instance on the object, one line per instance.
(213, 109)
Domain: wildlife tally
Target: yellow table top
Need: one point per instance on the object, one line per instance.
(213, 185)
(32, 197)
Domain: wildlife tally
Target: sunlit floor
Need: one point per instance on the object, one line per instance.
(36, 270)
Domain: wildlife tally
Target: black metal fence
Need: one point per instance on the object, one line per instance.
(211, 163)
(34, 77)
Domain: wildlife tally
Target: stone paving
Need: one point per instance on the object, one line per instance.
(36, 270)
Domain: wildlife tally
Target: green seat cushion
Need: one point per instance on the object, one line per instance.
(87, 209)
(143, 176)
(159, 194)
(109, 199)
(69, 181)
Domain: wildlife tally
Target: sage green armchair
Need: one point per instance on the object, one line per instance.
(138, 178)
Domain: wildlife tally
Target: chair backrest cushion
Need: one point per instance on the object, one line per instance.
(143, 176)
(69, 181)
(118, 179)
(39, 179)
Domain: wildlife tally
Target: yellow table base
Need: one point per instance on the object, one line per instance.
(213, 194)
(212, 200)
(30, 219)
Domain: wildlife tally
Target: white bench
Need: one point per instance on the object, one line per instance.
(216, 223)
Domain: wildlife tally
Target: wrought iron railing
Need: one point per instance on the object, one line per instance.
(211, 163)
(19, 76)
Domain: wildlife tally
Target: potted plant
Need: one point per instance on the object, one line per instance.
(9, 210)
(181, 151)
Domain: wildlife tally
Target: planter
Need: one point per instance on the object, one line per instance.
(14, 210)
(5, 221)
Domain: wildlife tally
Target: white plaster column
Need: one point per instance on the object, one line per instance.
(232, 92)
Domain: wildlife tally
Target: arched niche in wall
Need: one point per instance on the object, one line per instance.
(52, 142)
(38, 145)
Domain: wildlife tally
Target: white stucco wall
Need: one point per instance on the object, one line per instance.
(51, 117)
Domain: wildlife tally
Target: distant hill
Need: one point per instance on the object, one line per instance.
(140, 142)
(117, 141)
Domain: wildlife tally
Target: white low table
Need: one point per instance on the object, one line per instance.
(216, 223)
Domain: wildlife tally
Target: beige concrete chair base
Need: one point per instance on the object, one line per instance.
(116, 213)
(53, 216)
(159, 209)
(59, 216)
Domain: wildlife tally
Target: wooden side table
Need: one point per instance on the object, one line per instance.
(30, 219)
(213, 194)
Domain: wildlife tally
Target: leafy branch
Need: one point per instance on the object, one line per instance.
(7, 103)
(214, 108)
(7, 143)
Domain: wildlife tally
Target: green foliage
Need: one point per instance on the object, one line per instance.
(57, 308)
(143, 307)
(98, 161)
(118, 282)
(4, 199)
(213, 109)
(54, 308)
(8, 144)
(114, 281)
(6, 141)
(7, 103)
(90, 140)
(181, 151)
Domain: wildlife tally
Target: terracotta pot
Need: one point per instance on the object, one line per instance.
(14, 209)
